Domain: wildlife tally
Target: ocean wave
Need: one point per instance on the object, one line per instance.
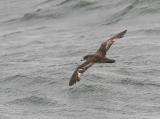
(62, 65)
(78, 3)
(38, 80)
(35, 15)
(148, 7)
(119, 15)
(44, 2)
(15, 77)
(151, 31)
(138, 83)
(84, 3)
(17, 80)
(4, 117)
(64, 2)
(38, 14)
(84, 88)
(34, 100)
(11, 33)
(17, 32)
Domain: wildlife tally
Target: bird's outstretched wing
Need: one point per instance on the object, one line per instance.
(79, 70)
(107, 44)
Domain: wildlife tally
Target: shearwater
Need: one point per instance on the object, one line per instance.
(98, 57)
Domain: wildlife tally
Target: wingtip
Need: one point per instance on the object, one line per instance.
(123, 32)
(73, 79)
(72, 82)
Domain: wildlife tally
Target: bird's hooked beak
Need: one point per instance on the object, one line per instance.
(82, 60)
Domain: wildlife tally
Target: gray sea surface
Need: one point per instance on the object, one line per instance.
(43, 41)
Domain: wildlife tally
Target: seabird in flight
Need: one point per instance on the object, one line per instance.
(98, 57)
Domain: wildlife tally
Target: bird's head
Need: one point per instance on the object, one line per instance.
(84, 58)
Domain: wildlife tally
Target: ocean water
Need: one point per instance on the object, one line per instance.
(43, 41)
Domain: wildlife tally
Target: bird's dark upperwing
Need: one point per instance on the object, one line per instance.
(102, 50)
(79, 70)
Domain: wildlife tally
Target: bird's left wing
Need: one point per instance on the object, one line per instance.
(79, 70)
(105, 46)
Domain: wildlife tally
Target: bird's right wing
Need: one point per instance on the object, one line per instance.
(79, 70)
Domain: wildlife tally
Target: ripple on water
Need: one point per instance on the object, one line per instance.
(34, 101)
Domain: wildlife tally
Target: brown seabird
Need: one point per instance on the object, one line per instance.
(98, 57)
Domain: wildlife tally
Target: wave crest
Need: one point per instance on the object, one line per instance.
(84, 3)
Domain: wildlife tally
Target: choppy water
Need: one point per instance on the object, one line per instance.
(42, 42)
